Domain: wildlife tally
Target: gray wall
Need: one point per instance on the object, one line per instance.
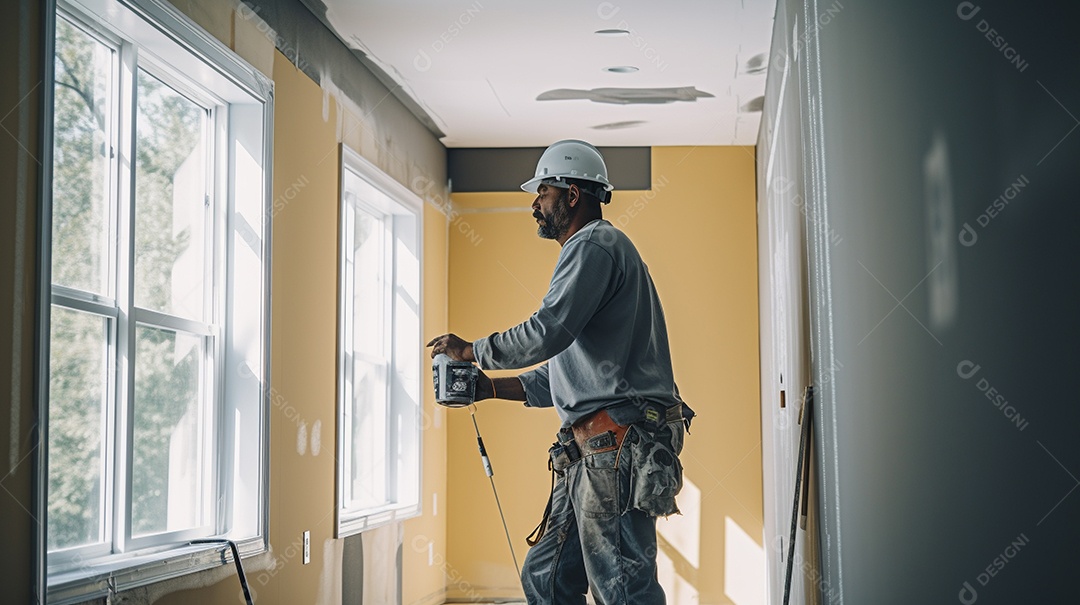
(20, 153)
(501, 169)
(949, 430)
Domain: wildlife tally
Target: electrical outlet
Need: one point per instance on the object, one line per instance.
(307, 547)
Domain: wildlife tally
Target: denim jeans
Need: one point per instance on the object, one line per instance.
(602, 530)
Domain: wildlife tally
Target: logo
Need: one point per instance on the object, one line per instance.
(968, 594)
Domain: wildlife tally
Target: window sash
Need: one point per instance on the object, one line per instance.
(110, 129)
(103, 544)
(205, 449)
(103, 304)
(125, 540)
(159, 71)
(379, 362)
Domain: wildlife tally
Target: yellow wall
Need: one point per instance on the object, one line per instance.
(696, 229)
(423, 576)
(304, 299)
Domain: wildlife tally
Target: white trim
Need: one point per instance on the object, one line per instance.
(121, 437)
(374, 518)
(401, 204)
(64, 298)
(382, 181)
(154, 319)
(133, 571)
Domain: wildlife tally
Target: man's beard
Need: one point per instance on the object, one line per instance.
(557, 222)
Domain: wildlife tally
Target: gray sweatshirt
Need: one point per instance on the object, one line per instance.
(600, 328)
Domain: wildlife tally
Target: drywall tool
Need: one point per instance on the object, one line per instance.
(455, 387)
(236, 560)
(491, 476)
(806, 416)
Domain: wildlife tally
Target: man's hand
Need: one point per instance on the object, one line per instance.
(455, 347)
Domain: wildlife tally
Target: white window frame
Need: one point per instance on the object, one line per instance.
(404, 211)
(154, 36)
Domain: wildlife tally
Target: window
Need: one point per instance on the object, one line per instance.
(153, 245)
(379, 404)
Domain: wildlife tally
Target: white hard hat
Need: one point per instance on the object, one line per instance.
(569, 159)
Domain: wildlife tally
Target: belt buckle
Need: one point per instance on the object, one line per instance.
(601, 442)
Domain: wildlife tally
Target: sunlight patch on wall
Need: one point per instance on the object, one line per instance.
(683, 532)
(744, 566)
(677, 589)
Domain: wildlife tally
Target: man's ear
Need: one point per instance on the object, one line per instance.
(573, 195)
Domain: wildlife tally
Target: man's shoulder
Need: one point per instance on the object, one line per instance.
(601, 238)
(605, 235)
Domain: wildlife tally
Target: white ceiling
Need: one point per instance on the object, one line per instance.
(476, 67)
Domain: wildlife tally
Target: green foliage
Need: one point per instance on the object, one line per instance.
(169, 133)
(76, 381)
(165, 389)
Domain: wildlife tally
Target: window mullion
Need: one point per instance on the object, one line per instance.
(389, 318)
(107, 497)
(114, 121)
(114, 381)
(209, 441)
(345, 350)
(125, 287)
(386, 356)
(212, 363)
(222, 460)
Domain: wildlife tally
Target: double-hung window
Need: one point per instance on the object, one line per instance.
(157, 330)
(379, 404)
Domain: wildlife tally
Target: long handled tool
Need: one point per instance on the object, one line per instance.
(236, 561)
(802, 478)
(455, 387)
(491, 476)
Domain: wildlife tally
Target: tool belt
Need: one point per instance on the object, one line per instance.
(596, 433)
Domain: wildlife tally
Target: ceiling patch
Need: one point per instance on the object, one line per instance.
(618, 125)
(627, 96)
(757, 65)
(755, 104)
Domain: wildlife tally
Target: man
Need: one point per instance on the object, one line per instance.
(608, 375)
